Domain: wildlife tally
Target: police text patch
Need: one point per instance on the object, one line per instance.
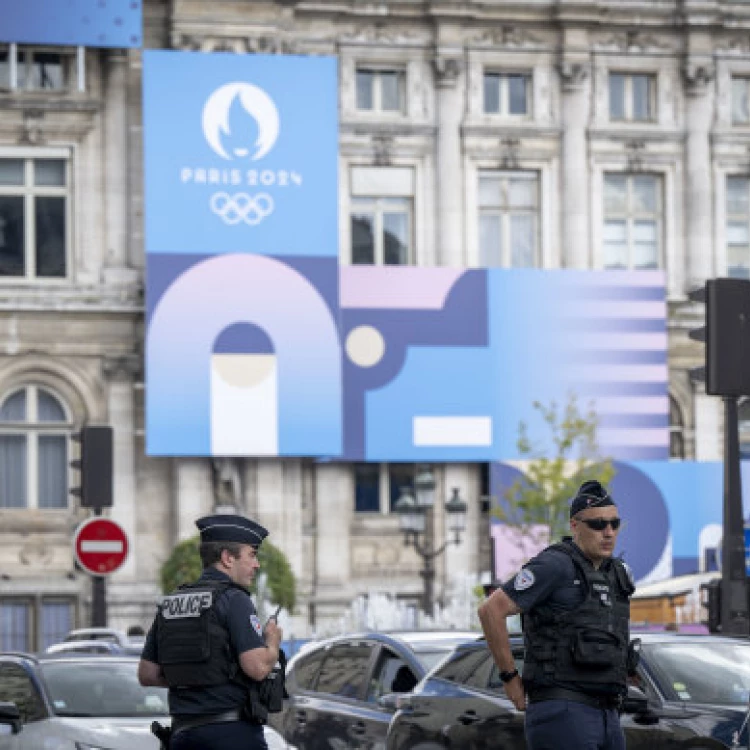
(255, 622)
(524, 580)
(189, 604)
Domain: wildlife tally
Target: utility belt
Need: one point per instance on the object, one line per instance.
(539, 694)
(183, 723)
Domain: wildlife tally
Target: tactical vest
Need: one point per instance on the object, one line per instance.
(586, 646)
(193, 647)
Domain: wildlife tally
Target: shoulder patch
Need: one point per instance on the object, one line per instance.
(255, 622)
(524, 580)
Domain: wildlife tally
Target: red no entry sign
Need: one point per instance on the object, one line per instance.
(100, 546)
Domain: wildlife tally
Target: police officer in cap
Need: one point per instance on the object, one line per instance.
(575, 603)
(208, 647)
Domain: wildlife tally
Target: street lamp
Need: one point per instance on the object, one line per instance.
(416, 522)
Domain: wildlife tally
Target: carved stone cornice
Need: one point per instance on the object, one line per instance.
(510, 150)
(383, 34)
(506, 36)
(269, 43)
(635, 151)
(123, 367)
(633, 41)
(447, 71)
(35, 120)
(697, 76)
(383, 149)
(574, 75)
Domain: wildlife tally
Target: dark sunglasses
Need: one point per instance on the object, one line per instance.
(599, 524)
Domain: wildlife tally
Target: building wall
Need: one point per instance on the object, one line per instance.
(82, 336)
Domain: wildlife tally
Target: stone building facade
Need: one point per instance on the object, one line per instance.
(567, 134)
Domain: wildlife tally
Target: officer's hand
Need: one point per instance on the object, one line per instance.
(515, 691)
(272, 633)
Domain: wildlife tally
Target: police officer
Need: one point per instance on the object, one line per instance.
(575, 603)
(208, 647)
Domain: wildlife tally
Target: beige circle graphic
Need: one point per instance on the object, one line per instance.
(365, 346)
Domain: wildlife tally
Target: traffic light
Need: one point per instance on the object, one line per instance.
(726, 335)
(711, 601)
(95, 465)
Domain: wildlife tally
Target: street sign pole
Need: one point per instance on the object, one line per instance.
(735, 619)
(98, 595)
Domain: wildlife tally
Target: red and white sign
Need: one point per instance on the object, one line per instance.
(100, 546)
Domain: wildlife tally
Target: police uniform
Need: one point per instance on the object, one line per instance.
(197, 637)
(576, 634)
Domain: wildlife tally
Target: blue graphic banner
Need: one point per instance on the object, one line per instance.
(88, 23)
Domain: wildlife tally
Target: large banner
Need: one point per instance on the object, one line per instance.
(258, 344)
(241, 163)
(88, 23)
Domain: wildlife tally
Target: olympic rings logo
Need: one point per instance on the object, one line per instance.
(241, 207)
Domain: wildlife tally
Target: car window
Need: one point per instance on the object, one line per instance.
(101, 688)
(701, 672)
(306, 670)
(392, 675)
(493, 680)
(344, 670)
(461, 664)
(16, 687)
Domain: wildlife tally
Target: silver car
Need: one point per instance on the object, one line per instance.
(81, 702)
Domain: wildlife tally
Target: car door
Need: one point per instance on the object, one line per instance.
(16, 686)
(391, 673)
(332, 716)
(489, 717)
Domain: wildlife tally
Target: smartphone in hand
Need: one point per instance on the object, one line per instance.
(275, 615)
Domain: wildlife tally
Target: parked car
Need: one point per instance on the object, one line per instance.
(690, 692)
(342, 691)
(111, 635)
(80, 702)
(95, 647)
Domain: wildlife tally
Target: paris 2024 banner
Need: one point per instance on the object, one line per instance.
(260, 344)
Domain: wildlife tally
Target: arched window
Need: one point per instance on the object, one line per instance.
(35, 429)
(676, 429)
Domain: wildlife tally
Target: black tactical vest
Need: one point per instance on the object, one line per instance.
(193, 647)
(587, 646)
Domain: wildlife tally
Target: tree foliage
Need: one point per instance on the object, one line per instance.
(184, 566)
(540, 500)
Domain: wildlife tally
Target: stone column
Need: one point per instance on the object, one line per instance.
(194, 496)
(698, 178)
(576, 87)
(450, 192)
(116, 159)
(121, 373)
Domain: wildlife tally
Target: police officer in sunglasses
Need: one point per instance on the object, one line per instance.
(574, 598)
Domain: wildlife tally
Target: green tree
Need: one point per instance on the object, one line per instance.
(540, 500)
(184, 566)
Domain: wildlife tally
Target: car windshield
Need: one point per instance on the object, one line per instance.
(101, 688)
(707, 672)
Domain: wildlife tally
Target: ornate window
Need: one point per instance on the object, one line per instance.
(632, 97)
(381, 90)
(633, 221)
(378, 486)
(34, 202)
(45, 69)
(509, 219)
(738, 227)
(35, 430)
(507, 94)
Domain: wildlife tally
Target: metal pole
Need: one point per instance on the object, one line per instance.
(734, 605)
(98, 596)
(428, 578)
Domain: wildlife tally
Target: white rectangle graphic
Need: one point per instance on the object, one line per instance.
(94, 546)
(452, 432)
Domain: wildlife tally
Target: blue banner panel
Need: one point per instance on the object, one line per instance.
(87, 23)
(241, 154)
(243, 355)
(444, 364)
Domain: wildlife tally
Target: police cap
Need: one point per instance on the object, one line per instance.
(590, 494)
(231, 528)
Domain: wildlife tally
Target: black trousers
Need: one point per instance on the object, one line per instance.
(230, 735)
